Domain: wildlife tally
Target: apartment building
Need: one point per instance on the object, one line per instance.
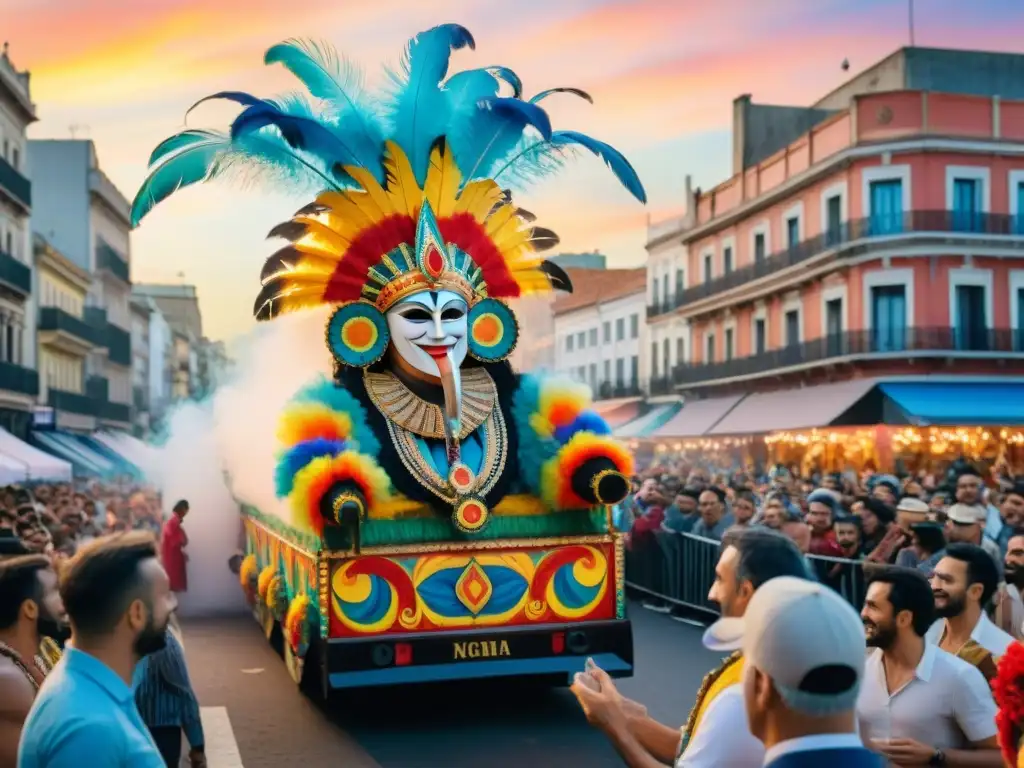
(871, 241)
(599, 330)
(19, 383)
(83, 216)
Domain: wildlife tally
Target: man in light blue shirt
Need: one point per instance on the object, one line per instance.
(118, 600)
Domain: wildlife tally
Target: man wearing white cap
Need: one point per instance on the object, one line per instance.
(804, 649)
(966, 523)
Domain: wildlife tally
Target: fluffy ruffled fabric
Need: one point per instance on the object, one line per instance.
(556, 479)
(304, 421)
(317, 478)
(292, 461)
(559, 402)
(297, 624)
(263, 583)
(277, 597)
(1008, 687)
(325, 392)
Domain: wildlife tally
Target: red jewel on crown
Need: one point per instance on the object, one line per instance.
(433, 262)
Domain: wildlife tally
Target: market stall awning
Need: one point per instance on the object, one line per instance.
(802, 408)
(33, 463)
(619, 410)
(85, 461)
(652, 420)
(958, 403)
(122, 465)
(142, 455)
(697, 417)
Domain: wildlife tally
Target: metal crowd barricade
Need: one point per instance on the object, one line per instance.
(679, 569)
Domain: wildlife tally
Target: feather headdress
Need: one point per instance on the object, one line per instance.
(409, 184)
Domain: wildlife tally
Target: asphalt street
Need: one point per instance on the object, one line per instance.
(234, 671)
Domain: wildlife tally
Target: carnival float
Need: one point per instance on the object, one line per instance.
(449, 518)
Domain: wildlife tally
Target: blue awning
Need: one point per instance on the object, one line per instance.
(958, 403)
(122, 465)
(84, 461)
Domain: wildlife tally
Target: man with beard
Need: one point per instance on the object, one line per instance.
(714, 735)
(1009, 613)
(29, 609)
(118, 600)
(963, 583)
(168, 705)
(919, 705)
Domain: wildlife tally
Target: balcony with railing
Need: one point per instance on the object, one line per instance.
(15, 185)
(120, 412)
(98, 388)
(661, 385)
(17, 378)
(858, 237)
(72, 402)
(606, 390)
(107, 258)
(56, 320)
(119, 343)
(892, 343)
(14, 274)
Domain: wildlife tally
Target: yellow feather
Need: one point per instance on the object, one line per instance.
(443, 179)
(512, 238)
(478, 198)
(374, 191)
(405, 194)
(319, 237)
(307, 298)
(500, 218)
(313, 264)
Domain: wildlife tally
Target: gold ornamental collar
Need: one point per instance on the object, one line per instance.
(394, 400)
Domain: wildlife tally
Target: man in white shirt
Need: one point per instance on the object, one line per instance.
(965, 524)
(963, 583)
(919, 705)
(714, 736)
(804, 651)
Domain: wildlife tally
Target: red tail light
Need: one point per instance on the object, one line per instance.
(403, 654)
(558, 642)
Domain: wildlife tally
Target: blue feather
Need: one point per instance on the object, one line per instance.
(195, 162)
(419, 110)
(179, 141)
(493, 131)
(340, 85)
(304, 132)
(612, 157)
(551, 91)
(298, 456)
(239, 97)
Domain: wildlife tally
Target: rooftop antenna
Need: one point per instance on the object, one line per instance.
(910, 8)
(74, 129)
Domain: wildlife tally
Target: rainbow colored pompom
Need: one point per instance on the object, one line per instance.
(298, 625)
(305, 421)
(556, 476)
(293, 460)
(248, 573)
(263, 582)
(585, 421)
(277, 597)
(559, 404)
(317, 478)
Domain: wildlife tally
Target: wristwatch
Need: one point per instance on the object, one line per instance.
(938, 758)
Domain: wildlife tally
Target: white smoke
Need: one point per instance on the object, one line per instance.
(234, 432)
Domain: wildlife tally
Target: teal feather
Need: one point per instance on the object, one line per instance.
(531, 160)
(195, 161)
(534, 450)
(339, 84)
(614, 159)
(325, 392)
(419, 109)
(551, 91)
(494, 130)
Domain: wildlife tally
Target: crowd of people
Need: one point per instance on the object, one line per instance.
(92, 668)
(810, 683)
(55, 519)
(870, 518)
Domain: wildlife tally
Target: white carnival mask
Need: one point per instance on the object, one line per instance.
(426, 326)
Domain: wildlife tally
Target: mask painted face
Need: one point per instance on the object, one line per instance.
(426, 325)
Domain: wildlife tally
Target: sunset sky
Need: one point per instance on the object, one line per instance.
(663, 74)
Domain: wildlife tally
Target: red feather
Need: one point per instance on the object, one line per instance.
(366, 250)
(465, 232)
(1008, 687)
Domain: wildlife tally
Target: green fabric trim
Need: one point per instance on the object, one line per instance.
(377, 533)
